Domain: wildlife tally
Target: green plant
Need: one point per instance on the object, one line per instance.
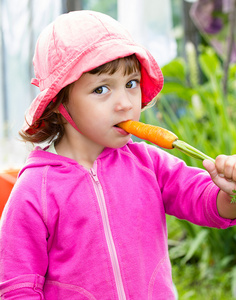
(190, 287)
(195, 109)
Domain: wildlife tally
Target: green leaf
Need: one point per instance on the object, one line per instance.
(200, 238)
(233, 197)
(209, 63)
(233, 283)
(178, 89)
(175, 69)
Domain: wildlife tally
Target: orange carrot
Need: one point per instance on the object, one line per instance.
(162, 138)
(154, 134)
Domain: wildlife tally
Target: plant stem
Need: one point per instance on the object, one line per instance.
(190, 151)
(195, 153)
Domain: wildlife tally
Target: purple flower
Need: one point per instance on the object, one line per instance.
(203, 14)
(206, 14)
(215, 26)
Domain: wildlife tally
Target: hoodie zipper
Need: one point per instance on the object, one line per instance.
(108, 235)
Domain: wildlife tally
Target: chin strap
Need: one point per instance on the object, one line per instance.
(67, 116)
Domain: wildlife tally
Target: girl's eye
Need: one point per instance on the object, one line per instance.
(132, 84)
(101, 90)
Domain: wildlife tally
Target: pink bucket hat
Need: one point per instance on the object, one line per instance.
(78, 42)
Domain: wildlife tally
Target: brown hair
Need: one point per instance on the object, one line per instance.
(50, 126)
(131, 65)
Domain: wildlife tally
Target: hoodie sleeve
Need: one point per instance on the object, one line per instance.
(188, 193)
(23, 242)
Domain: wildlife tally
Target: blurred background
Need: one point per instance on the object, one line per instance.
(194, 44)
(150, 22)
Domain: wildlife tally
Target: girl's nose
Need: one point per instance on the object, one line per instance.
(123, 103)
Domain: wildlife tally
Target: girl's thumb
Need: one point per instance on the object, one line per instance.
(211, 169)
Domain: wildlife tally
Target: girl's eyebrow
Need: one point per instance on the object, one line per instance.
(135, 75)
(102, 79)
(138, 73)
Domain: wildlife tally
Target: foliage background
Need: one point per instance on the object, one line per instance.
(195, 105)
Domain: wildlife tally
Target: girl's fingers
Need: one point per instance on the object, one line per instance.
(223, 172)
(211, 169)
(226, 166)
(234, 173)
(220, 164)
(229, 167)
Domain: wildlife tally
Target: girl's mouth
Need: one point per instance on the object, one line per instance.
(120, 130)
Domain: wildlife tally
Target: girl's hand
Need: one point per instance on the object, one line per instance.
(223, 172)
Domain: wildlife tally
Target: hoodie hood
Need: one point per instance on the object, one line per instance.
(39, 158)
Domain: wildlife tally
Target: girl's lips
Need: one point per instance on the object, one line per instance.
(121, 131)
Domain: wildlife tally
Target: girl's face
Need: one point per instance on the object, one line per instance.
(97, 103)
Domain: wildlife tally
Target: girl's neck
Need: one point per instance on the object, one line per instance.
(77, 147)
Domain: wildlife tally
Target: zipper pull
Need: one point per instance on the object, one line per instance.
(94, 175)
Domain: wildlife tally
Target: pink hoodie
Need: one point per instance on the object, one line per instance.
(72, 233)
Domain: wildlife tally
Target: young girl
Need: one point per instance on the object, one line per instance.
(86, 218)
